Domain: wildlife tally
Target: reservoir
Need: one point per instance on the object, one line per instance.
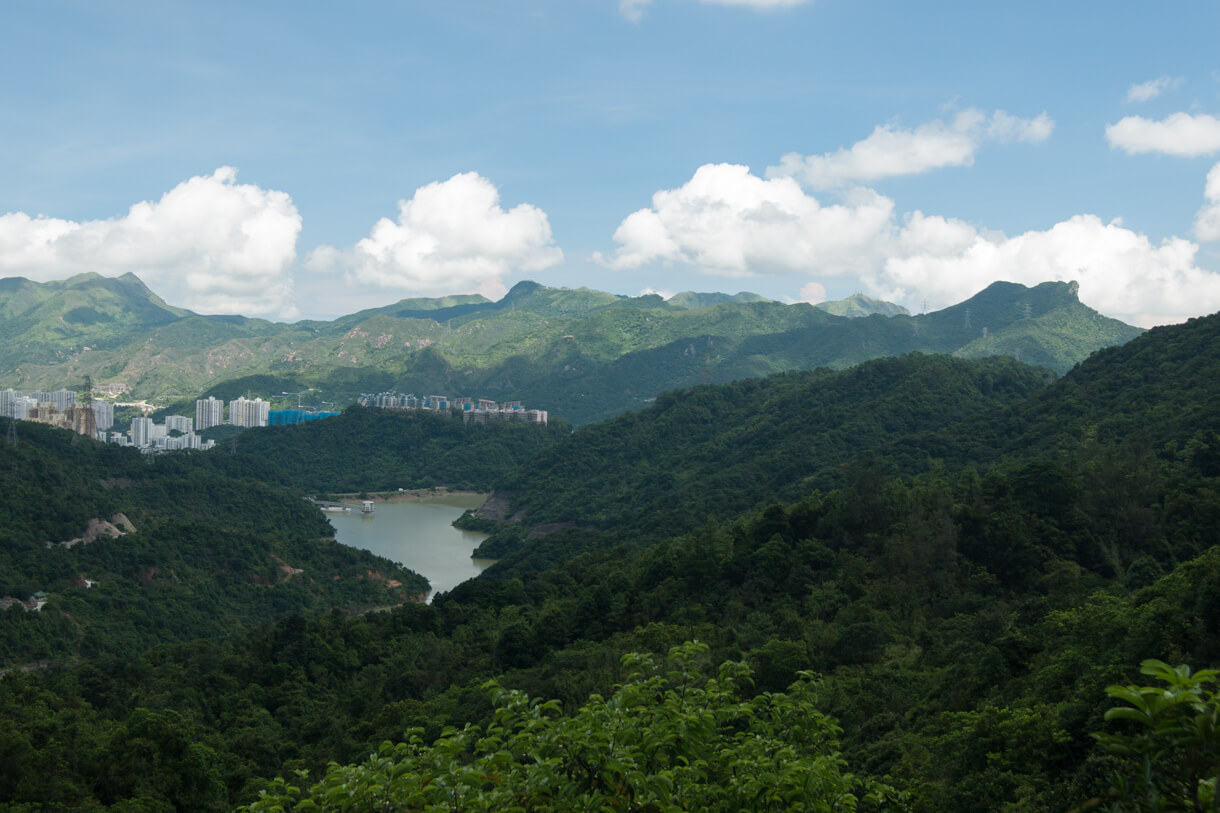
(417, 533)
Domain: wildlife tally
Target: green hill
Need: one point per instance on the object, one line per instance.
(207, 546)
(717, 451)
(861, 305)
(583, 354)
(369, 449)
(691, 299)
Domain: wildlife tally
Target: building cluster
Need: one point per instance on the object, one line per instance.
(178, 432)
(242, 412)
(473, 410)
(251, 412)
(94, 419)
(58, 408)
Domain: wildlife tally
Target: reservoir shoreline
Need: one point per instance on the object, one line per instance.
(415, 529)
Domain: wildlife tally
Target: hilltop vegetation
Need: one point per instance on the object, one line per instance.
(582, 354)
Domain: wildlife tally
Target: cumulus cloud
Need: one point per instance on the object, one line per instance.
(727, 222)
(209, 244)
(451, 236)
(1180, 134)
(1147, 91)
(891, 150)
(1121, 272)
(1207, 222)
(813, 292)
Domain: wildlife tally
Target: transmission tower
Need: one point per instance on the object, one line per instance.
(967, 318)
(12, 432)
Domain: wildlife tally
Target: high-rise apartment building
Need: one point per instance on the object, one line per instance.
(244, 412)
(8, 400)
(103, 414)
(179, 423)
(142, 432)
(209, 413)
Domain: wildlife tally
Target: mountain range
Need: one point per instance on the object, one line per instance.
(582, 354)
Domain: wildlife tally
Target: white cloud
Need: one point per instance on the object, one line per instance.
(1121, 272)
(633, 10)
(1147, 91)
(1181, 134)
(661, 292)
(450, 237)
(891, 151)
(1207, 221)
(813, 293)
(726, 221)
(209, 244)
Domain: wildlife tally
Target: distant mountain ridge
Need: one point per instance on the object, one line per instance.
(861, 305)
(580, 353)
(691, 299)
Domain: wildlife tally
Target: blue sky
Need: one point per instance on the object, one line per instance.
(309, 159)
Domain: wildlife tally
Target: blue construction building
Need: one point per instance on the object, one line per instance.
(291, 417)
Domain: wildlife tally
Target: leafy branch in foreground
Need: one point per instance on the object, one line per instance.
(662, 742)
(1173, 758)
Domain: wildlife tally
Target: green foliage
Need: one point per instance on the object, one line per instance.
(662, 742)
(1172, 759)
(370, 449)
(718, 451)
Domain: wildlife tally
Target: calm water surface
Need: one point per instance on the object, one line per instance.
(418, 534)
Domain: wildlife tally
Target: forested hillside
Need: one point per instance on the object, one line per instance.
(581, 354)
(132, 551)
(370, 449)
(716, 451)
(965, 571)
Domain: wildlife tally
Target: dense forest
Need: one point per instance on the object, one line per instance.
(716, 451)
(924, 583)
(370, 449)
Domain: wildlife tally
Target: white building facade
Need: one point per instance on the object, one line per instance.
(209, 413)
(244, 412)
